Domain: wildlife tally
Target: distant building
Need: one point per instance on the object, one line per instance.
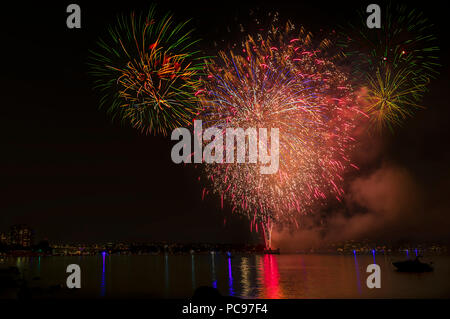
(21, 235)
(4, 239)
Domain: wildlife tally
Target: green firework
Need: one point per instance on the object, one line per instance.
(148, 72)
(395, 62)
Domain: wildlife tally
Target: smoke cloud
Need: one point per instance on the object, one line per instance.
(388, 204)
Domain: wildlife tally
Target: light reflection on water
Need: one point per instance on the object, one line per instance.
(103, 281)
(213, 270)
(247, 276)
(166, 275)
(269, 270)
(230, 278)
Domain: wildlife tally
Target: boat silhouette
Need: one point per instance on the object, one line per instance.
(414, 265)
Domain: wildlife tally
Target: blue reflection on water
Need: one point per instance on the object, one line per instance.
(230, 278)
(103, 282)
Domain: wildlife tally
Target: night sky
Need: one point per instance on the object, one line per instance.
(73, 174)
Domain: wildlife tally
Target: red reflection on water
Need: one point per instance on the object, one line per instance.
(271, 277)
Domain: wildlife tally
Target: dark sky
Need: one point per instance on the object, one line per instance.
(72, 174)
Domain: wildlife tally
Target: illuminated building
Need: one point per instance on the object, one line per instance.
(21, 235)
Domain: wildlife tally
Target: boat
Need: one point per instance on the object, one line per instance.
(414, 265)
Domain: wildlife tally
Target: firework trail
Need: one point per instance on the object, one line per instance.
(394, 64)
(287, 82)
(148, 72)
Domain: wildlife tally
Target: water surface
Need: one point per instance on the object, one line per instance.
(247, 276)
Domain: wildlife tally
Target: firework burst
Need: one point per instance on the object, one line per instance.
(395, 62)
(389, 98)
(285, 82)
(148, 72)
